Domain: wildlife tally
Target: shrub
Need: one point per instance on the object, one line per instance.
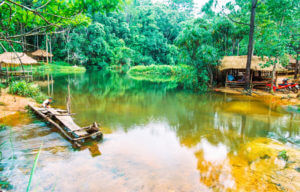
(25, 89)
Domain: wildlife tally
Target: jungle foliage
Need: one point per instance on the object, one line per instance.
(122, 34)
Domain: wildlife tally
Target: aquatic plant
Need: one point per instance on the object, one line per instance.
(2, 127)
(33, 168)
(283, 155)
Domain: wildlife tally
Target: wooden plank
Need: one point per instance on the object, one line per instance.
(79, 133)
(51, 121)
(68, 122)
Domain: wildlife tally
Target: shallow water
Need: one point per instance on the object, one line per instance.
(156, 138)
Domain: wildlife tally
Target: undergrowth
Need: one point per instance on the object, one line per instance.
(25, 89)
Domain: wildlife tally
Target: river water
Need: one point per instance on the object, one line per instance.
(156, 138)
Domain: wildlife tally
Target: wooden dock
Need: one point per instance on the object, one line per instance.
(62, 120)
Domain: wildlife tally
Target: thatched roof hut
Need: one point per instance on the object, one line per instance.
(10, 58)
(239, 62)
(41, 53)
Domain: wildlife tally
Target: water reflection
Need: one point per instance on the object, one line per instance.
(156, 138)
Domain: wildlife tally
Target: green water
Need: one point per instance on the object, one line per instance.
(153, 134)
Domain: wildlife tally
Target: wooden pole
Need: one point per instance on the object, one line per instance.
(296, 67)
(52, 92)
(48, 83)
(47, 48)
(50, 47)
(7, 77)
(31, 72)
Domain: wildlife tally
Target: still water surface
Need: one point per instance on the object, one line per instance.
(156, 138)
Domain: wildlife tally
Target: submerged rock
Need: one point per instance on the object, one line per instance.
(260, 165)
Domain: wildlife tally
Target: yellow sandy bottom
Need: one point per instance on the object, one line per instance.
(255, 167)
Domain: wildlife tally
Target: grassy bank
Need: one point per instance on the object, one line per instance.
(160, 73)
(58, 67)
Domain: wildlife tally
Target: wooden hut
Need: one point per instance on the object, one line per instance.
(10, 65)
(41, 55)
(234, 68)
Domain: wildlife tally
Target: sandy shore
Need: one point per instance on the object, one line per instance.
(11, 104)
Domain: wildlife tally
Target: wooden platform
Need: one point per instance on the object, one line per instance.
(64, 122)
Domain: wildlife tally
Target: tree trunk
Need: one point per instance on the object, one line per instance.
(296, 67)
(250, 45)
(273, 83)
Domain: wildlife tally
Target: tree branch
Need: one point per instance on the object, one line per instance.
(31, 10)
(42, 6)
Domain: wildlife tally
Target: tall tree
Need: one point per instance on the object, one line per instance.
(250, 45)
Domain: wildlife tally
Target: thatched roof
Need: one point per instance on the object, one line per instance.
(12, 59)
(41, 53)
(239, 62)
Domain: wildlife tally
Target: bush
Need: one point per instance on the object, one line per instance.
(25, 89)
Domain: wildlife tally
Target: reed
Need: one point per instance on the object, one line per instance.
(33, 168)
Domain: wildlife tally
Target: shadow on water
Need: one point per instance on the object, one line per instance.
(156, 138)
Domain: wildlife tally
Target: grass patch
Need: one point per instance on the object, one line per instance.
(61, 63)
(160, 73)
(58, 67)
(25, 89)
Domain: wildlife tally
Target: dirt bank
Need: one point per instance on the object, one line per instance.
(11, 104)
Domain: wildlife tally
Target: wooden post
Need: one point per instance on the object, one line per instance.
(50, 47)
(47, 48)
(7, 77)
(31, 72)
(48, 83)
(226, 79)
(52, 92)
(251, 80)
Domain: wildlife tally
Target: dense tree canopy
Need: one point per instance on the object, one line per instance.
(100, 34)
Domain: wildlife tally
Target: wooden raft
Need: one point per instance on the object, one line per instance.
(64, 122)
